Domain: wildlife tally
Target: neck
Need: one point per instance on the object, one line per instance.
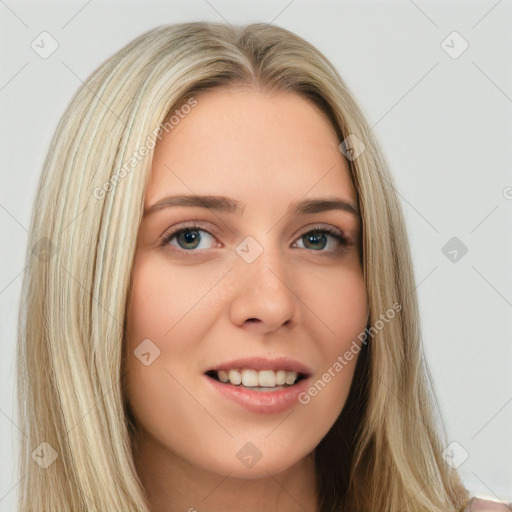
(173, 484)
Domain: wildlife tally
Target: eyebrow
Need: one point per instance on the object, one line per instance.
(229, 205)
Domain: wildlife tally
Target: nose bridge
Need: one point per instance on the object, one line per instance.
(261, 258)
(263, 289)
(264, 249)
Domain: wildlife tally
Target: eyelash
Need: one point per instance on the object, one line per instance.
(343, 241)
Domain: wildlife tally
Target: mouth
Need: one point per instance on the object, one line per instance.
(257, 380)
(258, 384)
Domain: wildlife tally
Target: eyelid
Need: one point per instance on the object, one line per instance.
(189, 224)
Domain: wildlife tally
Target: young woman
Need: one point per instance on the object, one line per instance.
(219, 310)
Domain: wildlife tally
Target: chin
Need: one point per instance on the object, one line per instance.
(248, 462)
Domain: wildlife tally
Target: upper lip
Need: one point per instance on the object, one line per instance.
(262, 363)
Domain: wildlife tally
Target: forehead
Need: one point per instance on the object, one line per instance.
(250, 144)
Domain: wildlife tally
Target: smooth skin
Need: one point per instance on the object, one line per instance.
(201, 303)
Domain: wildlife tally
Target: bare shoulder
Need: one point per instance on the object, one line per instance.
(487, 505)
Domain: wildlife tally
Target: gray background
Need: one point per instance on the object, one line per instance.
(443, 120)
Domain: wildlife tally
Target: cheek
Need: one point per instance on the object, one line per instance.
(161, 317)
(341, 313)
(341, 306)
(165, 319)
(165, 300)
(172, 308)
(149, 304)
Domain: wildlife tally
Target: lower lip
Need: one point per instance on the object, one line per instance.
(265, 402)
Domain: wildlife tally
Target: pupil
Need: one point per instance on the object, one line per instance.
(189, 236)
(315, 237)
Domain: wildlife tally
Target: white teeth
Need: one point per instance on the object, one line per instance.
(280, 377)
(254, 378)
(267, 378)
(223, 375)
(235, 377)
(250, 378)
(290, 377)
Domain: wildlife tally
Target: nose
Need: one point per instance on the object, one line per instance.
(264, 298)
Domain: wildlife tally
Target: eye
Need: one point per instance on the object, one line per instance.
(187, 238)
(318, 236)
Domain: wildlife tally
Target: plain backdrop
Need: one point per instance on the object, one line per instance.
(439, 103)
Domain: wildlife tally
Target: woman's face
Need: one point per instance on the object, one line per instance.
(246, 290)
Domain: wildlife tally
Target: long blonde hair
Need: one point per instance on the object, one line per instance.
(383, 453)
